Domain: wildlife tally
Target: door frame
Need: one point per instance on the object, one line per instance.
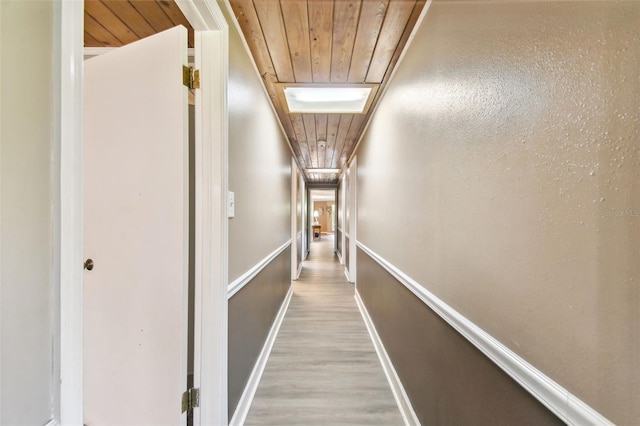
(295, 199)
(210, 375)
(342, 211)
(298, 218)
(211, 158)
(71, 247)
(336, 212)
(352, 207)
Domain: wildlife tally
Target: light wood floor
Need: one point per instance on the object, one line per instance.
(323, 369)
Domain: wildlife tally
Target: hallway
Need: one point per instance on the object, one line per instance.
(323, 369)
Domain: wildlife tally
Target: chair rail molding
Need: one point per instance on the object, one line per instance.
(245, 278)
(559, 400)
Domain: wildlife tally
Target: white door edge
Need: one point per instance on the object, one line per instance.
(211, 227)
(71, 309)
(353, 217)
(294, 219)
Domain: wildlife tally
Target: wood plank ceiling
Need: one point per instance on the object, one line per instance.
(325, 41)
(114, 23)
(291, 41)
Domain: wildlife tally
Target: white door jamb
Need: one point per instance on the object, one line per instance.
(211, 227)
(71, 299)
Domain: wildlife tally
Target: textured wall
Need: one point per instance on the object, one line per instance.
(259, 167)
(508, 151)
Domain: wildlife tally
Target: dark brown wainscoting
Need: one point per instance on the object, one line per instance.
(252, 311)
(345, 253)
(448, 380)
(299, 248)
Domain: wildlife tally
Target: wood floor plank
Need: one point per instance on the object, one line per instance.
(323, 369)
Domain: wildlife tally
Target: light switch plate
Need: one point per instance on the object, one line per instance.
(231, 204)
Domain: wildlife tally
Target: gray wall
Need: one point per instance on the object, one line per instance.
(251, 314)
(508, 147)
(29, 190)
(260, 177)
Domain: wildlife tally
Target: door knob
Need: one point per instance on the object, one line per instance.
(88, 264)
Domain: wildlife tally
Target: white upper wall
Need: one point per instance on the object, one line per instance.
(28, 269)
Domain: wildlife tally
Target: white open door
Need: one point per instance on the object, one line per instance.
(135, 231)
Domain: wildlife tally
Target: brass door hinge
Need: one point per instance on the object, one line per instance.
(190, 77)
(190, 399)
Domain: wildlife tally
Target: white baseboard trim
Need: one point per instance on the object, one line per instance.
(404, 404)
(245, 278)
(339, 257)
(52, 422)
(299, 271)
(244, 404)
(559, 400)
(346, 274)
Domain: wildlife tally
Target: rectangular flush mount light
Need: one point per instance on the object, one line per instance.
(326, 98)
(323, 171)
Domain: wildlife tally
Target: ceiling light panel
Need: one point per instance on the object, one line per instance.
(324, 171)
(327, 99)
